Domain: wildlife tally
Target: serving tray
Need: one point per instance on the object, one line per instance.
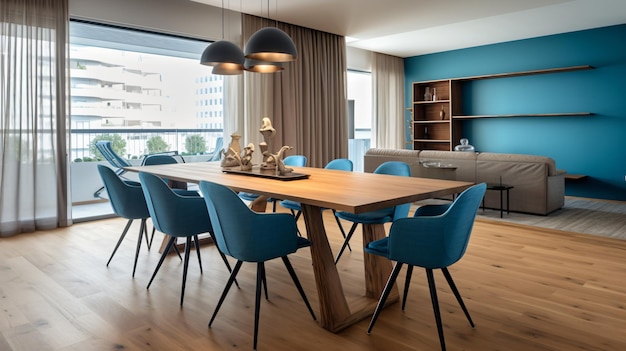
(269, 173)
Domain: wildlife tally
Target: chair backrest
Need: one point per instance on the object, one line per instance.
(399, 169)
(171, 213)
(126, 199)
(340, 164)
(105, 148)
(165, 159)
(440, 240)
(159, 159)
(295, 160)
(244, 234)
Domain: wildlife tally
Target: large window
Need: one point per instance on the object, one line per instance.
(359, 115)
(137, 87)
(360, 103)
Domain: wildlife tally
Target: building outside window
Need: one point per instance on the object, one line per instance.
(139, 85)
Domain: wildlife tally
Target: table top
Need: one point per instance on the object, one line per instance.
(353, 192)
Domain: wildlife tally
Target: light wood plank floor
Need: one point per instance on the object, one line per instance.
(527, 289)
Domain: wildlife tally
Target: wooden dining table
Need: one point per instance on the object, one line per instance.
(353, 192)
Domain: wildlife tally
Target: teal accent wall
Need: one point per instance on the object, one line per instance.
(592, 145)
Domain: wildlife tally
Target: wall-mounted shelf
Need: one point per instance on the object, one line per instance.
(427, 112)
(566, 114)
(527, 73)
(431, 102)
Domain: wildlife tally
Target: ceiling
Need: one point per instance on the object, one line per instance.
(407, 28)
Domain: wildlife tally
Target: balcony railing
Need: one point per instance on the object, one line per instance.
(136, 140)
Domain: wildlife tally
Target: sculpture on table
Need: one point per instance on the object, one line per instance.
(234, 148)
(272, 160)
(234, 156)
(464, 146)
(268, 132)
(245, 159)
(278, 161)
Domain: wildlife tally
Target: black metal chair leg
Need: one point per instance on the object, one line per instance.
(407, 282)
(264, 281)
(151, 238)
(260, 275)
(383, 297)
(446, 274)
(175, 247)
(119, 241)
(343, 233)
(296, 215)
(197, 245)
(435, 301)
(296, 281)
(224, 258)
(145, 231)
(171, 242)
(185, 268)
(345, 242)
(231, 279)
(142, 226)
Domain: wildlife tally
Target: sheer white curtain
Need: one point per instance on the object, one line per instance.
(388, 100)
(33, 116)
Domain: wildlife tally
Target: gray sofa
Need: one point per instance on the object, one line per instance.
(539, 187)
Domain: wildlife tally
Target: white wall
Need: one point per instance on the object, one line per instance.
(359, 59)
(180, 17)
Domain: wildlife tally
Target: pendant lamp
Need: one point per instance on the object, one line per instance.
(223, 52)
(226, 57)
(227, 69)
(272, 45)
(257, 66)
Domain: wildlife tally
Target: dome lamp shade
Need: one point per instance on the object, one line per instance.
(227, 69)
(271, 44)
(262, 66)
(221, 52)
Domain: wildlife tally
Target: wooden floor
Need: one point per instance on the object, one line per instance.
(526, 288)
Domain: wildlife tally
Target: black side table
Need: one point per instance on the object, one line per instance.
(501, 188)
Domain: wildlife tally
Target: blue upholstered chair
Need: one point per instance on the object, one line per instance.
(251, 237)
(179, 187)
(127, 201)
(179, 216)
(293, 160)
(385, 215)
(340, 164)
(434, 238)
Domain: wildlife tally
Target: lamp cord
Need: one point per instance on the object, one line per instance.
(222, 19)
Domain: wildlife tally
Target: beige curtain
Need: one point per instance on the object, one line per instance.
(307, 101)
(33, 115)
(388, 99)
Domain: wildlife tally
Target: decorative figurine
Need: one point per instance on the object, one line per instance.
(267, 145)
(245, 159)
(234, 148)
(465, 146)
(275, 161)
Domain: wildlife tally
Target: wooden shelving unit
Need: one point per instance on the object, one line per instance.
(432, 132)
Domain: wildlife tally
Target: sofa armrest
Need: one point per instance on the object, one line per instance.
(556, 192)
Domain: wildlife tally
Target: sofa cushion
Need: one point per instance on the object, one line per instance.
(374, 157)
(519, 158)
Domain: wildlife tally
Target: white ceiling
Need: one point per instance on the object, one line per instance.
(407, 28)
